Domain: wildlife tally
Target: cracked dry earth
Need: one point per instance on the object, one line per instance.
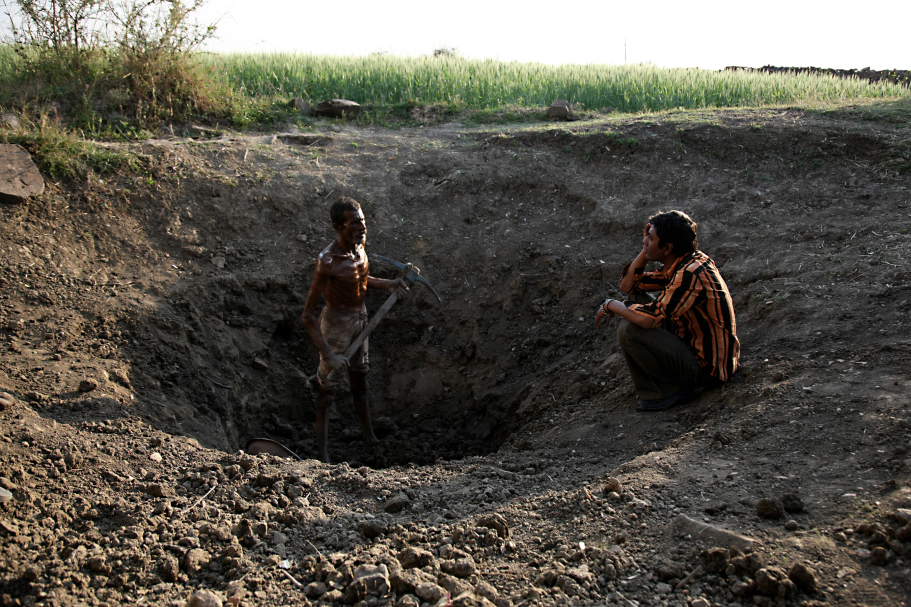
(150, 326)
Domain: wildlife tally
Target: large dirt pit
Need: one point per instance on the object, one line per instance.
(151, 326)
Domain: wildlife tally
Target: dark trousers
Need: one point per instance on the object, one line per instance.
(659, 362)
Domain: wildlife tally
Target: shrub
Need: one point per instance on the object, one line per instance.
(155, 55)
(57, 37)
(132, 57)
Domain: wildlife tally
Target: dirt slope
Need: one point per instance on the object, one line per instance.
(151, 325)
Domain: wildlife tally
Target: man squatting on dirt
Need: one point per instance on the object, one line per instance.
(342, 276)
(684, 339)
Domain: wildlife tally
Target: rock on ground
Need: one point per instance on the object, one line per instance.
(19, 177)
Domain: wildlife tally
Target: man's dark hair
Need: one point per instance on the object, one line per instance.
(677, 228)
(337, 212)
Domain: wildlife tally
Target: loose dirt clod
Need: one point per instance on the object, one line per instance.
(769, 508)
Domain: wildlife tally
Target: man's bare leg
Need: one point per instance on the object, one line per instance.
(362, 408)
(323, 401)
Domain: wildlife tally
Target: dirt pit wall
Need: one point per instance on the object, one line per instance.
(180, 296)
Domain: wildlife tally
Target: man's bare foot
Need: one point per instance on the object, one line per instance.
(322, 452)
(370, 442)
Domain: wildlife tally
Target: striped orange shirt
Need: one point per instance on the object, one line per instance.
(696, 301)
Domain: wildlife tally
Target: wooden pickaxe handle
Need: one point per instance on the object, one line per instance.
(367, 330)
(370, 326)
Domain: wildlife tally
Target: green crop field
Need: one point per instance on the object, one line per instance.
(488, 84)
(242, 89)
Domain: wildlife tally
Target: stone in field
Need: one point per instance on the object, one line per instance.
(19, 177)
(337, 108)
(560, 110)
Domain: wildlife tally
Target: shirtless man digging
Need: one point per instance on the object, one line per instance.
(342, 276)
(684, 338)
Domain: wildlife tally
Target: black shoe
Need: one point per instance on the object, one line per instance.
(680, 398)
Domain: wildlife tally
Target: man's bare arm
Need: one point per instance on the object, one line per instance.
(309, 316)
(311, 320)
(393, 286)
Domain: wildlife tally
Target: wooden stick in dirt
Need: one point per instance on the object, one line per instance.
(689, 578)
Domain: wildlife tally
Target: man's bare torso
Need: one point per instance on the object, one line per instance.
(345, 287)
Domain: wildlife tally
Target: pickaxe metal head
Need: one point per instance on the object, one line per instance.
(410, 274)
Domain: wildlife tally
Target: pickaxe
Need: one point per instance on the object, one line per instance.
(411, 275)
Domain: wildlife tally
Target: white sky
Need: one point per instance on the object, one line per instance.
(708, 34)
